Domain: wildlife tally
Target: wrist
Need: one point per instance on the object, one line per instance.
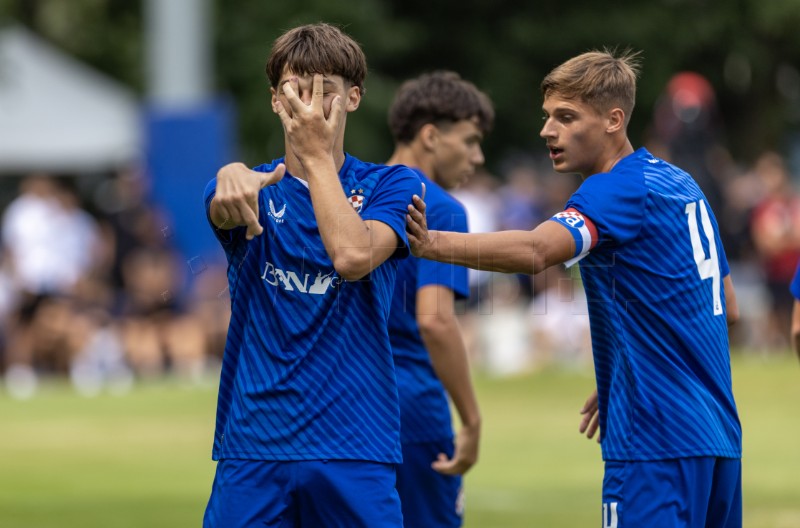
(318, 162)
(430, 249)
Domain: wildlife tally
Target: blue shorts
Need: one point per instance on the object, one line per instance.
(430, 499)
(299, 494)
(681, 493)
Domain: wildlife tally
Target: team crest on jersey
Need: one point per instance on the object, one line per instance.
(357, 199)
(276, 215)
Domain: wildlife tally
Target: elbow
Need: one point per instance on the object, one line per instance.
(539, 262)
(432, 326)
(351, 265)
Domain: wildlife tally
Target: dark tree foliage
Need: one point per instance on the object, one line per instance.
(748, 49)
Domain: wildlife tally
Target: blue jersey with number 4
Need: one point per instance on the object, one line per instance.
(653, 266)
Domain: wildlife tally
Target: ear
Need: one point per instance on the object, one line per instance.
(428, 136)
(274, 98)
(353, 98)
(616, 121)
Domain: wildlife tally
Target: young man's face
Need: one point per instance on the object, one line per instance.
(576, 135)
(457, 152)
(303, 86)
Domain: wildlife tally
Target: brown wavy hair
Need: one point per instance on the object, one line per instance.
(317, 48)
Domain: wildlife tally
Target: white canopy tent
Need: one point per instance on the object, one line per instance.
(57, 114)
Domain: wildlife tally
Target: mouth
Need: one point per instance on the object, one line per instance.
(555, 152)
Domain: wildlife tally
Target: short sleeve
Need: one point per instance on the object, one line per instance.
(447, 215)
(389, 202)
(615, 201)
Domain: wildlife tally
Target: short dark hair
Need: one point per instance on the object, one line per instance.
(317, 48)
(437, 97)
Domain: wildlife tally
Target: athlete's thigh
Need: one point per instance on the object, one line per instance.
(347, 494)
(248, 493)
(429, 499)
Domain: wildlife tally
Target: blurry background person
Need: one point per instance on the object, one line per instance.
(438, 121)
(51, 245)
(775, 227)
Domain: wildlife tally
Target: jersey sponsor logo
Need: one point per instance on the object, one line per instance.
(292, 281)
(275, 214)
(357, 199)
(610, 514)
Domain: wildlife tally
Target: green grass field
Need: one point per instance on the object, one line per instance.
(142, 460)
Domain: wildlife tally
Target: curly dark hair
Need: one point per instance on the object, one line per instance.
(437, 97)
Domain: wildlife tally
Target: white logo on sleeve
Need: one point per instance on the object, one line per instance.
(610, 515)
(276, 215)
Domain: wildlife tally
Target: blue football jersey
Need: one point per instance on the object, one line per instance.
(652, 266)
(424, 407)
(795, 286)
(307, 371)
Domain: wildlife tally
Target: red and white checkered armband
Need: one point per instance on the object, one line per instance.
(582, 229)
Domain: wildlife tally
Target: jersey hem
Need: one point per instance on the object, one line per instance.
(669, 455)
(391, 459)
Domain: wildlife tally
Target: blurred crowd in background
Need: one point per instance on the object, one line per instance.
(97, 285)
(93, 289)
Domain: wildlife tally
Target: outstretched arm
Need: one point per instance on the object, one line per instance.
(526, 252)
(441, 334)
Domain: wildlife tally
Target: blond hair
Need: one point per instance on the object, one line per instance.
(602, 79)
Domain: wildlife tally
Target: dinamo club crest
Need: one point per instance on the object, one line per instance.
(357, 199)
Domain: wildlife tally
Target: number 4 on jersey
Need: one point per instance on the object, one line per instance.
(707, 267)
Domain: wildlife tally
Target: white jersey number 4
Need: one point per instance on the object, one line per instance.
(707, 267)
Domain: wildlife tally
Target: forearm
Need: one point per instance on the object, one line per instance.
(503, 251)
(448, 356)
(345, 235)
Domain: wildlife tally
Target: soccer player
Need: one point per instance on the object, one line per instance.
(438, 121)
(659, 294)
(795, 289)
(307, 431)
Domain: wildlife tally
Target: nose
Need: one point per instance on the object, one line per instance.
(477, 156)
(547, 130)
